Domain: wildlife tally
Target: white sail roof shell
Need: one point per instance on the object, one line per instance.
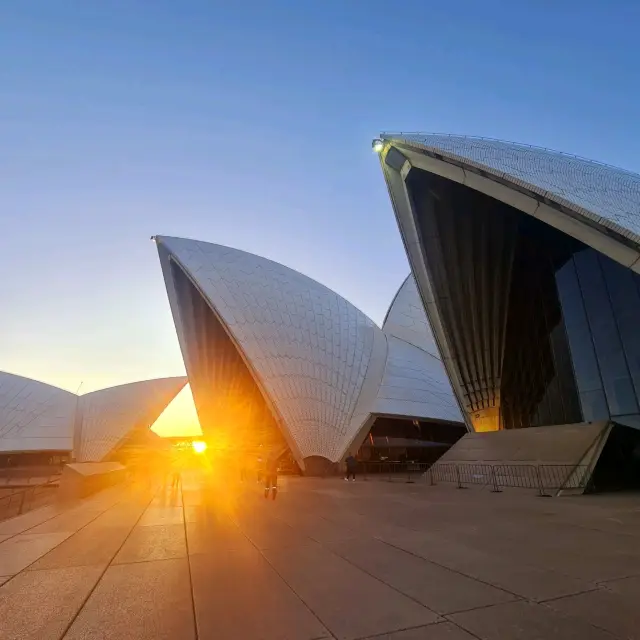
(34, 416)
(414, 382)
(406, 318)
(309, 348)
(319, 359)
(108, 416)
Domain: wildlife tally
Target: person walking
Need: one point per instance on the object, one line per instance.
(352, 465)
(176, 470)
(271, 476)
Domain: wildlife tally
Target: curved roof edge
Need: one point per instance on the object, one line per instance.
(109, 416)
(393, 301)
(602, 209)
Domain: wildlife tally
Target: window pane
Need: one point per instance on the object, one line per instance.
(625, 299)
(594, 406)
(606, 339)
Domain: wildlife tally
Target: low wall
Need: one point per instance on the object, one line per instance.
(81, 479)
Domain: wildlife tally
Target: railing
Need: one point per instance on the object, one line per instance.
(541, 477)
(23, 500)
(544, 478)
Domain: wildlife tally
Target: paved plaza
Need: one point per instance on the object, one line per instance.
(326, 560)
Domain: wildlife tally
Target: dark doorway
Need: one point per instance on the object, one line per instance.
(618, 467)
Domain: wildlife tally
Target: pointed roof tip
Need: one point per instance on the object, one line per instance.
(395, 297)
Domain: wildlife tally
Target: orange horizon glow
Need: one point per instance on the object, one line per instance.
(179, 418)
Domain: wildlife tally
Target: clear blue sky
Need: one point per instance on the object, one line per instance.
(249, 123)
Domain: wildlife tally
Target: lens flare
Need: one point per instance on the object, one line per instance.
(199, 446)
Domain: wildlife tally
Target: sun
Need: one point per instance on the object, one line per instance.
(199, 446)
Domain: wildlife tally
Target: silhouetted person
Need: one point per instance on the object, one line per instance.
(271, 476)
(352, 465)
(176, 470)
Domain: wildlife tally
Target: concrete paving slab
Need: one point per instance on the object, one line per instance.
(140, 601)
(515, 577)
(526, 621)
(270, 533)
(155, 515)
(69, 521)
(19, 552)
(316, 527)
(124, 514)
(39, 605)
(250, 600)
(614, 612)
(214, 535)
(167, 497)
(28, 520)
(349, 602)
(93, 545)
(437, 631)
(626, 586)
(565, 554)
(160, 542)
(437, 588)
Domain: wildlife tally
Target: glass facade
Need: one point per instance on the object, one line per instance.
(601, 305)
(543, 330)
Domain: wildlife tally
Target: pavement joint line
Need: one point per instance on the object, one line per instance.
(605, 583)
(295, 593)
(385, 634)
(196, 632)
(118, 564)
(460, 573)
(569, 595)
(377, 578)
(99, 580)
(25, 532)
(569, 616)
(49, 520)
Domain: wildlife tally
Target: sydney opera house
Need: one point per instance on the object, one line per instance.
(516, 338)
(41, 424)
(276, 359)
(528, 264)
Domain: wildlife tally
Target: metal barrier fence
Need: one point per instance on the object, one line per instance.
(23, 500)
(543, 478)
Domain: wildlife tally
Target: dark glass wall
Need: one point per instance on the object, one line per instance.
(601, 305)
(543, 330)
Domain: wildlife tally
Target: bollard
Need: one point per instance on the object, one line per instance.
(431, 478)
